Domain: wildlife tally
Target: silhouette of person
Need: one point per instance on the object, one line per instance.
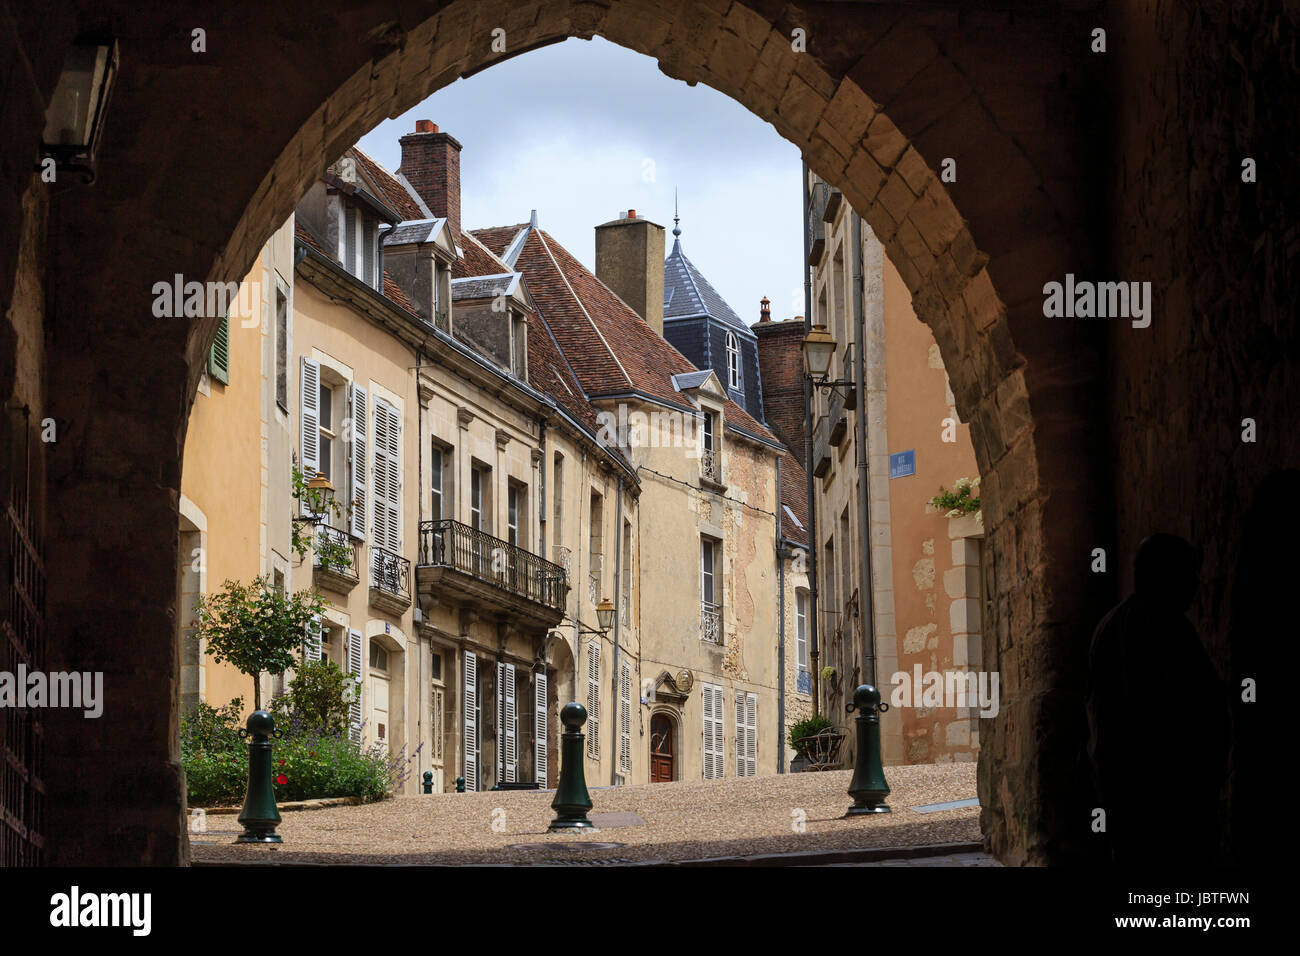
(1157, 716)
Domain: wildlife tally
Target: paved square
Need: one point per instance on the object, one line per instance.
(690, 820)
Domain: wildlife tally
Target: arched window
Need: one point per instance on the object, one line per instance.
(733, 361)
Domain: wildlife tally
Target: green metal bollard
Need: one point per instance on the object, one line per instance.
(868, 787)
(572, 801)
(428, 781)
(460, 784)
(259, 815)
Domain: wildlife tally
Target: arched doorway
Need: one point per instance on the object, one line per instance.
(663, 748)
(978, 298)
(560, 690)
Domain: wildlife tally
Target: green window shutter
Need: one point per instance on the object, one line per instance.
(219, 356)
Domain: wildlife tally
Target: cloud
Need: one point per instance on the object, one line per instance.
(583, 130)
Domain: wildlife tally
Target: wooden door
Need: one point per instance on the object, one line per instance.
(661, 749)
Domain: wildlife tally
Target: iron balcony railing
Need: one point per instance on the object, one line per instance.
(710, 622)
(709, 464)
(593, 578)
(390, 572)
(448, 543)
(339, 550)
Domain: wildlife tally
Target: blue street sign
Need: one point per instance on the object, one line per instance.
(902, 464)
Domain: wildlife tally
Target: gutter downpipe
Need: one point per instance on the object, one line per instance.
(780, 654)
(866, 603)
(808, 463)
(618, 619)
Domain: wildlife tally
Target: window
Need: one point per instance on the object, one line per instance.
(282, 349)
(477, 482)
(360, 248)
(326, 424)
(710, 593)
(557, 493)
(513, 494)
(435, 667)
(714, 760)
(436, 507)
(709, 459)
(733, 361)
(801, 629)
(746, 734)
(378, 657)
(625, 718)
(626, 601)
(518, 345)
(593, 699)
(219, 354)
(846, 562)
(595, 580)
(387, 489)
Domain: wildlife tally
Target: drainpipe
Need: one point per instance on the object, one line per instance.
(808, 462)
(780, 654)
(866, 604)
(618, 619)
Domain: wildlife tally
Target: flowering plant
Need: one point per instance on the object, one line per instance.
(962, 500)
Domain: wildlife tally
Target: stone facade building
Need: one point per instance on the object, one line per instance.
(515, 445)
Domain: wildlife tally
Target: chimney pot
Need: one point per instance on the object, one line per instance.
(631, 214)
(425, 126)
(765, 310)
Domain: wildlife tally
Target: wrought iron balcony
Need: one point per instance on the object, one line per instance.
(461, 564)
(709, 469)
(334, 563)
(710, 622)
(564, 558)
(593, 578)
(390, 580)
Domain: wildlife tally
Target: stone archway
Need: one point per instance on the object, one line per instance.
(881, 97)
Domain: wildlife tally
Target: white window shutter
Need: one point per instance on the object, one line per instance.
(511, 725)
(540, 729)
(501, 721)
(711, 696)
(309, 420)
(751, 742)
(355, 649)
(625, 718)
(470, 698)
(394, 480)
(593, 699)
(357, 408)
(313, 644)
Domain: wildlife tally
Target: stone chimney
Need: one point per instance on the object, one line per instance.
(630, 260)
(765, 309)
(431, 164)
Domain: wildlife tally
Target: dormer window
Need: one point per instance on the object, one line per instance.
(359, 245)
(733, 361)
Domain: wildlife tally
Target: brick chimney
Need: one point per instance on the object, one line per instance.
(431, 164)
(765, 309)
(630, 260)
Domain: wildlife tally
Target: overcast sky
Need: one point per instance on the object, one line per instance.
(583, 130)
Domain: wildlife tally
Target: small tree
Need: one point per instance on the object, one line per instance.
(318, 695)
(258, 628)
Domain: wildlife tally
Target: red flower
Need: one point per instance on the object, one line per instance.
(282, 780)
(311, 753)
(281, 763)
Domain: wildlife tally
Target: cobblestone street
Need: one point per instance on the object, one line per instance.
(777, 817)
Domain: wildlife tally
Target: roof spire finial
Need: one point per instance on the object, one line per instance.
(677, 229)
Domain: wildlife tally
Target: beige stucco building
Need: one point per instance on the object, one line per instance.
(468, 396)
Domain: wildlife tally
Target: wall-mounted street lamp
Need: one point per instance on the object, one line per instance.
(604, 617)
(818, 348)
(322, 484)
(74, 119)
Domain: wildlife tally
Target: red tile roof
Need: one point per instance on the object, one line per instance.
(477, 260)
(387, 187)
(609, 346)
(794, 495)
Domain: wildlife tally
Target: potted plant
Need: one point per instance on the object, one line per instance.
(816, 742)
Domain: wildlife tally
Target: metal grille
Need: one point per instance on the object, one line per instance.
(22, 644)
